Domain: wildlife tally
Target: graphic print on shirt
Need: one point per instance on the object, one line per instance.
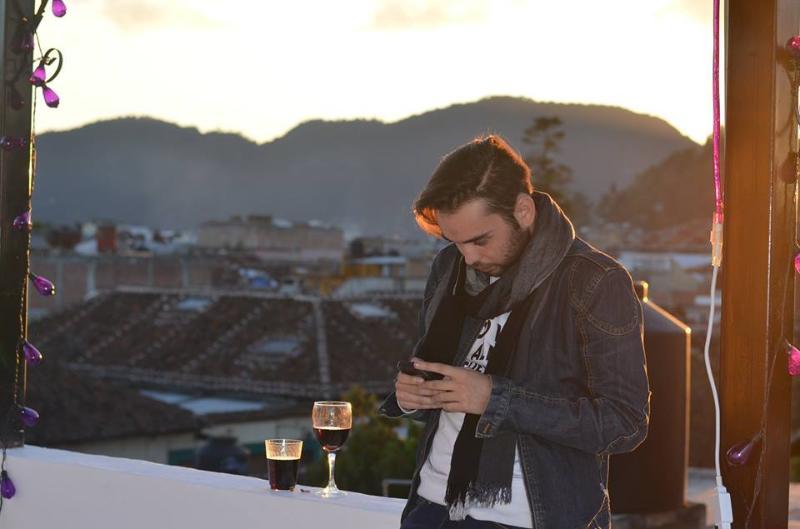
(478, 357)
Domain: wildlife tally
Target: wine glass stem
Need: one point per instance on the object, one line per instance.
(331, 465)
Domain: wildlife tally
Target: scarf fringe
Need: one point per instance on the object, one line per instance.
(477, 496)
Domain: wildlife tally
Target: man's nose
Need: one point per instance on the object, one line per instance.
(470, 256)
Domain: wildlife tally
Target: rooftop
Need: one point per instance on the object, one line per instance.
(236, 343)
(95, 410)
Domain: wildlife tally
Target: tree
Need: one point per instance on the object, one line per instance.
(547, 173)
(675, 190)
(374, 451)
(608, 207)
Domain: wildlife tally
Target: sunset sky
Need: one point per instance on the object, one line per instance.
(260, 67)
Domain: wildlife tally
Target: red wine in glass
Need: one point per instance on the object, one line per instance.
(331, 438)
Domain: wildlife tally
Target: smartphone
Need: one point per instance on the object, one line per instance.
(407, 367)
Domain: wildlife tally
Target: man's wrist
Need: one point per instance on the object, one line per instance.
(405, 411)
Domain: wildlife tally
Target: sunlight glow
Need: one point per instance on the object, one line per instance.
(266, 66)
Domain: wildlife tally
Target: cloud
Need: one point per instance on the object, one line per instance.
(407, 14)
(700, 10)
(137, 15)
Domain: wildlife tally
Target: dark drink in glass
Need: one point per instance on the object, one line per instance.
(283, 461)
(331, 438)
(283, 473)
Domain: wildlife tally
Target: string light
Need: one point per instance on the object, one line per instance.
(44, 286)
(793, 353)
(739, 454)
(23, 42)
(59, 8)
(23, 221)
(793, 360)
(51, 99)
(722, 508)
(40, 79)
(793, 45)
(7, 488)
(12, 143)
(39, 75)
(32, 355)
(28, 416)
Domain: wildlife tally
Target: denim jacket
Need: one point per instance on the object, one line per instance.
(577, 391)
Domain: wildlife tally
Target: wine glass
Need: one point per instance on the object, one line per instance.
(332, 421)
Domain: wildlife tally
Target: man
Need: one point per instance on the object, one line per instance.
(539, 338)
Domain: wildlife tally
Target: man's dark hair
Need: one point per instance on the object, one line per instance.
(488, 168)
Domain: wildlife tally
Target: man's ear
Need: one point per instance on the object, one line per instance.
(525, 211)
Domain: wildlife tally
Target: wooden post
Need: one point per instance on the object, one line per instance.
(15, 192)
(758, 276)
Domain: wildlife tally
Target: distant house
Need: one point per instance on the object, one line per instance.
(672, 276)
(385, 265)
(392, 246)
(382, 274)
(85, 414)
(274, 239)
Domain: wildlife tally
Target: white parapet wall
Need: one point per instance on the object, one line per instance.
(57, 488)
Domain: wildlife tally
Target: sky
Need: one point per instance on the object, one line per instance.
(261, 67)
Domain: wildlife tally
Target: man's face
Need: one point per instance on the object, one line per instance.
(488, 241)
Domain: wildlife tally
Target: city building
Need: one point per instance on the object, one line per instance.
(274, 239)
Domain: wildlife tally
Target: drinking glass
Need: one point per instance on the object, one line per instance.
(332, 421)
(283, 461)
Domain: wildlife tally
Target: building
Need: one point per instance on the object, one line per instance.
(94, 416)
(78, 277)
(392, 246)
(675, 278)
(274, 239)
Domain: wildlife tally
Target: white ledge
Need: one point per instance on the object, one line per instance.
(57, 488)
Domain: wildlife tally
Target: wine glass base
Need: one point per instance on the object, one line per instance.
(331, 493)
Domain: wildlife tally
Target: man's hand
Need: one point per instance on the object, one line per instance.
(413, 393)
(461, 389)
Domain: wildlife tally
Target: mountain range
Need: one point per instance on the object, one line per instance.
(362, 175)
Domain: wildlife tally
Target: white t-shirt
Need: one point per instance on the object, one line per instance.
(435, 471)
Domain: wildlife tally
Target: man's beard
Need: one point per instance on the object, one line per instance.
(519, 240)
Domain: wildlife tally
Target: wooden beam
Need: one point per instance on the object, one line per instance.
(15, 192)
(758, 278)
